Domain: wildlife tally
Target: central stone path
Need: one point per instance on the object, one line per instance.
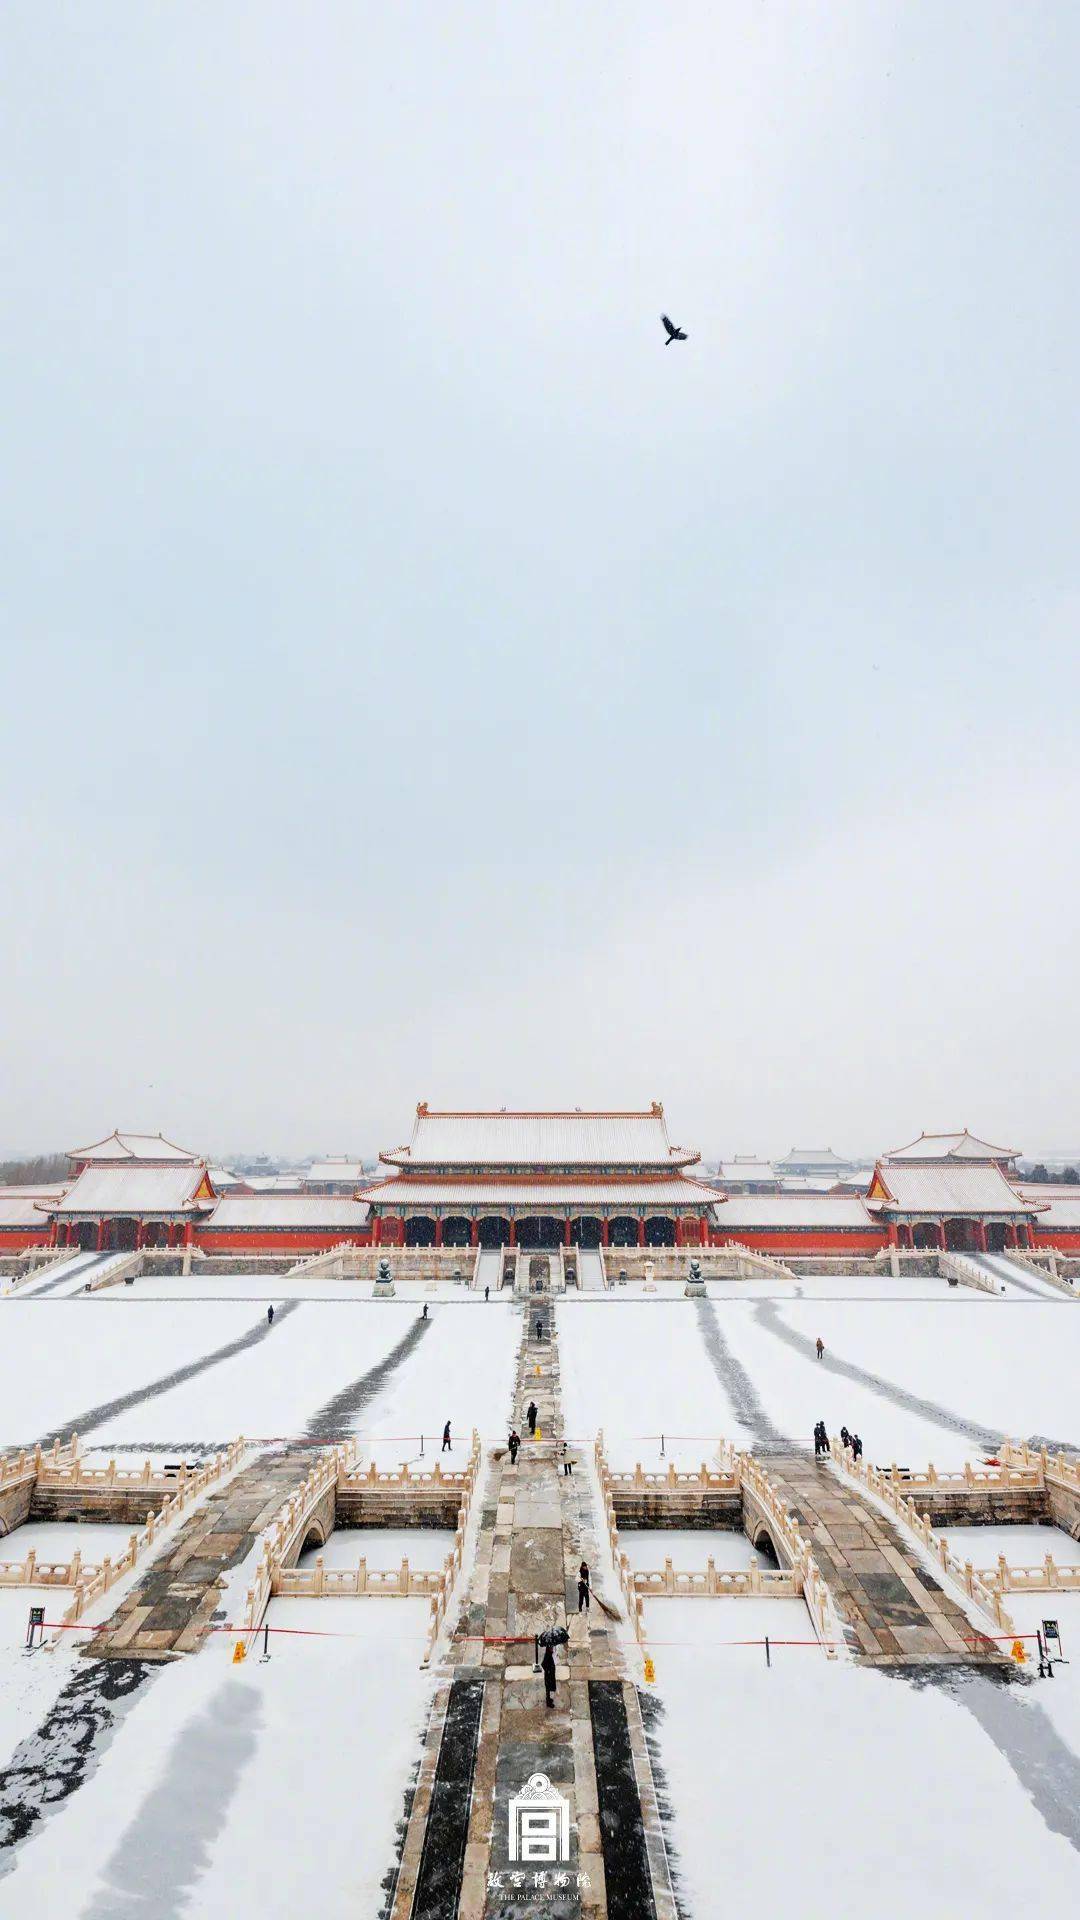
(169, 1611)
(895, 1612)
(537, 1524)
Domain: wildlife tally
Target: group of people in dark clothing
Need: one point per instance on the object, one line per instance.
(821, 1441)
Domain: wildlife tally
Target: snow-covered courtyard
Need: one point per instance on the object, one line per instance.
(269, 1787)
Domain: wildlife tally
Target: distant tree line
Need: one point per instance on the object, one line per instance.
(1055, 1176)
(44, 1171)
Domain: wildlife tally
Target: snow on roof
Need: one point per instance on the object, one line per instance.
(746, 1167)
(813, 1157)
(131, 1146)
(1063, 1209)
(287, 1210)
(137, 1189)
(22, 1209)
(950, 1146)
(591, 1195)
(964, 1186)
(556, 1137)
(342, 1169)
(748, 1210)
(273, 1182)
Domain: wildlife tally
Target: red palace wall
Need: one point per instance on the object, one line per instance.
(14, 1239)
(781, 1241)
(262, 1240)
(1062, 1240)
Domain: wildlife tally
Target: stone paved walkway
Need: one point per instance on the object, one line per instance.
(537, 1524)
(895, 1612)
(168, 1612)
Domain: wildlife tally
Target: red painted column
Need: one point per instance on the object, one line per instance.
(513, 1232)
(376, 1232)
(100, 1234)
(942, 1243)
(139, 1233)
(1010, 1234)
(980, 1235)
(641, 1230)
(605, 1233)
(474, 1232)
(567, 1242)
(893, 1241)
(438, 1233)
(189, 1233)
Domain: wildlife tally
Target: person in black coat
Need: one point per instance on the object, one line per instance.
(269, 1316)
(548, 1667)
(514, 1443)
(583, 1587)
(856, 1446)
(845, 1437)
(446, 1442)
(531, 1412)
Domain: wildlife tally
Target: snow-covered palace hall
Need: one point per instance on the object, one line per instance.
(533, 1520)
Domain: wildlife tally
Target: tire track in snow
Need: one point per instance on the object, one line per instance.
(1023, 1733)
(182, 1815)
(86, 1422)
(334, 1420)
(987, 1438)
(736, 1382)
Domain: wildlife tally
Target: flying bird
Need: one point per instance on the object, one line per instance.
(673, 332)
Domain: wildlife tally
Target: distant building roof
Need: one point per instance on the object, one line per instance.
(965, 1186)
(812, 1157)
(185, 1188)
(572, 1137)
(950, 1146)
(335, 1169)
(120, 1147)
(746, 1166)
(285, 1210)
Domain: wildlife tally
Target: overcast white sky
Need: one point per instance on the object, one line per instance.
(423, 684)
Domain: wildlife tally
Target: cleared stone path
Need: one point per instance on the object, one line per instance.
(895, 1612)
(537, 1524)
(170, 1610)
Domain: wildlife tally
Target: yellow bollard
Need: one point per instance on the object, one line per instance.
(1018, 1652)
(239, 1654)
(536, 1370)
(538, 1435)
(650, 1670)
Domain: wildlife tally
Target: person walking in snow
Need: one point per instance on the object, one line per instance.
(548, 1666)
(567, 1463)
(487, 1293)
(446, 1442)
(270, 1316)
(845, 1437)
(539, 1329)
(530, 1414)
(423, 1316)
(856, 1446)
(821, 1440)
(583, 1587)
(820, 1346)
(514, 1443)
